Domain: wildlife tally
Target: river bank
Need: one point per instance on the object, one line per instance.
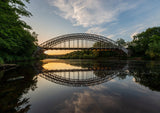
(7, 66)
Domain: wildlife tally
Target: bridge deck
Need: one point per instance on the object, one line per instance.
(107, 49)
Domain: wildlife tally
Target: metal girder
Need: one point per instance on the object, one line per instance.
(77, 82)
(82, 36)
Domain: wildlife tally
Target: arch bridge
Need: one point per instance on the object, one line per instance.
(80, 77)
(84, 76)
(82, 41)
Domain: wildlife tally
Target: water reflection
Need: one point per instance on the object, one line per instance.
(13, 85)
(94, 87)
(147, 74)
(78, 73)
(81, 73)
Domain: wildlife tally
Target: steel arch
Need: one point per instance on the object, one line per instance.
(81, 36)
(51, 76)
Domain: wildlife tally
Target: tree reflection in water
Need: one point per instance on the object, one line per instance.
(146, 73)
(13, 85)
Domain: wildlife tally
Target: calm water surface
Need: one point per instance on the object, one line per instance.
(81, 86)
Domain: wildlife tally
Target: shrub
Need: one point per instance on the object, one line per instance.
(1, 61)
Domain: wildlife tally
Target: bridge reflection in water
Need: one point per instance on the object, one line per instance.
(82, 74)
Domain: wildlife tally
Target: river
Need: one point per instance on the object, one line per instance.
(81, 86)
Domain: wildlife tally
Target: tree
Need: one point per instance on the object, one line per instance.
(121, 41)
(154, 47)
(144, 43)
(15, 39)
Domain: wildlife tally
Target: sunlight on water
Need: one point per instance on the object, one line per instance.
(58, 52)
(58, 66)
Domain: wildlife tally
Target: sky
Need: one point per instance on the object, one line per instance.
(110, 18)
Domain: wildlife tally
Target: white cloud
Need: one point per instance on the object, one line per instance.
(113, 80)
(110, 36)
(88, 13)
(138, 29)
(130, 30)
(98, 88)
(89, 102)
(135, 33)
(96, 30)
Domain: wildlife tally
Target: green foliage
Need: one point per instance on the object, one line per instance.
(102, 44)
(93, 53)
(99, 53)
(79, 55)
(1, 61)
(154, 49)
(16, 42)
(89, 54)
(121, 41)
(146, 43)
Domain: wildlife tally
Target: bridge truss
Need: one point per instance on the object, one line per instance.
(79, 78)
(82, 41)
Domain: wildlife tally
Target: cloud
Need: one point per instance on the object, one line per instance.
(138, 29)
(110, 97)
(130, 31)
(96, 30)
(110, 100)
(135, 33)
(98, 88)
(113, 80)
(88, 102)
(110, 36)
(89, 13)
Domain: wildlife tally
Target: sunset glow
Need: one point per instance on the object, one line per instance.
(57, 52)
(58, 66)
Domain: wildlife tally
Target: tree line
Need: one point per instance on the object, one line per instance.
(145, 45)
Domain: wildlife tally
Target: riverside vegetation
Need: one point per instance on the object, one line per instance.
(146, 44)
(16, 40)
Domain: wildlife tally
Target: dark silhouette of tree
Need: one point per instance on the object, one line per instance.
(146, 74)
(13, 85)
